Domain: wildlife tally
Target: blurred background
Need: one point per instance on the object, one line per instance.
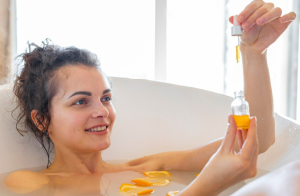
(185, 42)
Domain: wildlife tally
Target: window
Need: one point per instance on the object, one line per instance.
(120, 32)
(195, 44)
(200, 51)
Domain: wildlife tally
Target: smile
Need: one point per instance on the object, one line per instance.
(97, 129)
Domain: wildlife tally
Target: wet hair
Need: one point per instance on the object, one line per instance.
(36, 84)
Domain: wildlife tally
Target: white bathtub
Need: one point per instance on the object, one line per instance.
(152, 117)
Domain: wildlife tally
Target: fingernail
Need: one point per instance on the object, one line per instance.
(254, 118)
(246, 26)
(260, 21)
(282, 19)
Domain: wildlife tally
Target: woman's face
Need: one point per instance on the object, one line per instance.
(82, 114)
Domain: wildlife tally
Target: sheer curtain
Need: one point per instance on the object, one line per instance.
(5, 41)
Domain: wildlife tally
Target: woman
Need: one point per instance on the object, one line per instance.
(66, 98)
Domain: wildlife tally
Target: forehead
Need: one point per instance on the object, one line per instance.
(81, 78)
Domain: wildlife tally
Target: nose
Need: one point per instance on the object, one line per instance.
(100, 111)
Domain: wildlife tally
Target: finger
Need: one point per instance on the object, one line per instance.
(253, 164)
(251, 20)
(244, 134)
(249, 10)
(228, 142)
(240, 139)
(231, 19)
(251, 143)
(288, 17)
(255, 156)
(273, 14)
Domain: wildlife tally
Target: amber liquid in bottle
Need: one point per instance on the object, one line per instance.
(242, 123)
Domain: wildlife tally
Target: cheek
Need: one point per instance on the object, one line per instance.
(68, 122)
(76, 118)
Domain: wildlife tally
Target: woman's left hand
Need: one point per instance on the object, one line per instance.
(262, 24)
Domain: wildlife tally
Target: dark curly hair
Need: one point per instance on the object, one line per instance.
(36, 84)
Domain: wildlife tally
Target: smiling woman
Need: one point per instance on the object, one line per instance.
(83, 106)
(65, 100)
(50, 75)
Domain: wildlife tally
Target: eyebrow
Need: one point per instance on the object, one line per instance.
(88, 93)
(106, 91)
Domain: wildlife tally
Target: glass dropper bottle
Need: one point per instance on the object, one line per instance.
(240, 111)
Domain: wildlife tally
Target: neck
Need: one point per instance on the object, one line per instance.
(84, 163)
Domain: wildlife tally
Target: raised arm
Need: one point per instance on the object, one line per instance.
(256, 39)
(262, 24)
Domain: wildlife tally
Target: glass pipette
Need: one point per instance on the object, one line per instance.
(236, 30)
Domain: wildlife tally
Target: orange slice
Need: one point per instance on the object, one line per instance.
(150, 182)
(134, 190)
(154, 174)
(172, 193)
(141, 182)
(126, 187)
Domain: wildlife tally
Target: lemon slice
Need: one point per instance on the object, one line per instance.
(172, 193)
(134, 190)
(154, 174)
(150, 182)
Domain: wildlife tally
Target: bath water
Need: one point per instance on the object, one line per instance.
(107, 184)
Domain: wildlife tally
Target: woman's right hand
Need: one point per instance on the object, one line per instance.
(226, 167)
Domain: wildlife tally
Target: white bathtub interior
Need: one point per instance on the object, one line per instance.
(152, 117)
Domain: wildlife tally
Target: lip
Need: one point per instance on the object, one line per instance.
(100, 125)
(105, 131)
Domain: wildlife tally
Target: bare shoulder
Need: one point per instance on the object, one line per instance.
(25, 181)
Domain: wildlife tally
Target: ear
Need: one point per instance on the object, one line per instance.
(37, 119)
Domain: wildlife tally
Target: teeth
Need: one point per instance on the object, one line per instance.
(97, 129)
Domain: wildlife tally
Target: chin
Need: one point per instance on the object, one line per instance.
(104, 145)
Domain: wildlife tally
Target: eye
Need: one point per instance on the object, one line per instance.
(80, 102)
(107, 99)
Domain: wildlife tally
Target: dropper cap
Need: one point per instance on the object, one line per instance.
(236, 30)
(238, 93)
